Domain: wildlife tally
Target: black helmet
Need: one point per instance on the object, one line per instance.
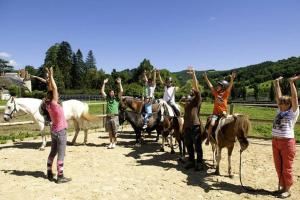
(169, 79)
(224, 84)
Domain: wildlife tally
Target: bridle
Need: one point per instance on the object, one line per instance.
(13, 110)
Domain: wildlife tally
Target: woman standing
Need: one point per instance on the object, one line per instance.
(283, 142)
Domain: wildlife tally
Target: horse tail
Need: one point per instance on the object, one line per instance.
(87, 116)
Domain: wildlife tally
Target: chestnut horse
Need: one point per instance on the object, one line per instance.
(226, 137)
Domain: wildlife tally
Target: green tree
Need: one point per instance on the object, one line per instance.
(78, 74)
(256, 92)
(64, 62)
(4, 67)
(51, 60)
(90, 61)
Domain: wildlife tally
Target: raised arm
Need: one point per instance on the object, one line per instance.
(154, 76)
(232, 77)
(119, 82)
(195, 81)
(211, 87)
(277, 88)
(145, 79)
(294, 94)
(39, 78)
(52, 85)
(102, 91)
(159, 77)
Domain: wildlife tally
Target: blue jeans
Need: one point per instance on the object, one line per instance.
(146, 118)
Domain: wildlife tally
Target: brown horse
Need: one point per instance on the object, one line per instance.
(226, 137)
(169, 126)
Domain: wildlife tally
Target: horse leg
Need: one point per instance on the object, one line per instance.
(162, 144)
(171, 144)
(217, 172)
(229, 161)
(85, 129)
(214, 153)
(137, 138)
(43, 135)
(77, 129)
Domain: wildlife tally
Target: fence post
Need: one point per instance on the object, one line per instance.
(231, 110)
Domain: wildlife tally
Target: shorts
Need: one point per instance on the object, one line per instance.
(112, 124)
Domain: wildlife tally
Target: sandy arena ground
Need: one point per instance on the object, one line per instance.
(129, 172)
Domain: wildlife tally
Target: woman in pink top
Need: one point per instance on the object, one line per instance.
(58, 131)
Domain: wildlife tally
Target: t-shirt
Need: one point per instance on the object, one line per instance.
(284, 123)
(191, 110)
(112, 106)
(220, 103)
(169, 94)
(57, 116)
(149, 91)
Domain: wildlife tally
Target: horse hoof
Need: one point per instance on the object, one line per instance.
(172, 151)
(137, 145)
(162, 149)
(217, 173)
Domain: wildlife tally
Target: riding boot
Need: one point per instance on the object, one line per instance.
(62, 179)
(50, 175)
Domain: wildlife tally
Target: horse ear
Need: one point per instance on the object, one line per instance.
(12, 99)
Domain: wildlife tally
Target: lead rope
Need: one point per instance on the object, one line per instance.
(248, 189)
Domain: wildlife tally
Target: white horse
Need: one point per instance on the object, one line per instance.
(73, 109)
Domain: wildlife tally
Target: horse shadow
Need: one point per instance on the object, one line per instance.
(36, 174)
(203, 179)
(25, 145)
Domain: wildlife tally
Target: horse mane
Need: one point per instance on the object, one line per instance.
(242, 123)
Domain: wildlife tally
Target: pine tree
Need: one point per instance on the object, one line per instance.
(77, 72)
(4, 67)
(64, 61)
(90, 61)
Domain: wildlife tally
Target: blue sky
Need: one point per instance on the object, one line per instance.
(211, 34)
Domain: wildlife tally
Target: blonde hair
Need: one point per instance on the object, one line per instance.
(285, 100)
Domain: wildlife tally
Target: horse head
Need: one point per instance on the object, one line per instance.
(242, 127)
(122, 112)
(11, 107)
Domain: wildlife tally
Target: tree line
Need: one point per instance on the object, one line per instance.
(76, 75)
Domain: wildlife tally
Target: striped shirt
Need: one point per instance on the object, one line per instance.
(284, 123)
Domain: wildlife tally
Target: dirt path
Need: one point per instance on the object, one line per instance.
(128, 172)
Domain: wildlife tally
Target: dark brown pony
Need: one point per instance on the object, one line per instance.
(169, 126)
(226, 137)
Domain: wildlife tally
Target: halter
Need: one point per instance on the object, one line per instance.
(14, 110)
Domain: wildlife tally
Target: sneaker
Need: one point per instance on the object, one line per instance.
(110, 146)
(62, 179)
(113, 145)
(50, 175)
(145, 126)
(284, 195)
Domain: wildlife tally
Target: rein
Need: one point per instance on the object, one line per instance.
(249, 189)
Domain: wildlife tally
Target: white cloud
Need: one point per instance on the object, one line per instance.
(212, 18)
(12, 63)
(4, 55)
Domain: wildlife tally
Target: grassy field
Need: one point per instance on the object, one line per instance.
(259, 129)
